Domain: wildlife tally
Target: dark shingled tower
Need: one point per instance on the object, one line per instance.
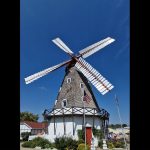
(71, 90)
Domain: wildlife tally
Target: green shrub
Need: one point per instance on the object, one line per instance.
(100, 143)
(110, 145)
(80, 134)
(98, 133)
(43, 143)
(82, 147)
(25, 136)
(115, 144)
(80, 141)
(119, 144)
(62, 143)
(29, 144)
(47, 146)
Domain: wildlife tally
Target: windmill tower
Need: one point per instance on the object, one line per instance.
(76, 107)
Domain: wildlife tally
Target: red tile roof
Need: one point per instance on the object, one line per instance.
(36, 125)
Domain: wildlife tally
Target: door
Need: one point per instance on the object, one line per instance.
(88, 135)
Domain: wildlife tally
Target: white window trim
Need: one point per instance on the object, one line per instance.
(62, 104)
(68, 80)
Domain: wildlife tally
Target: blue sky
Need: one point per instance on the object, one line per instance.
(79, 23)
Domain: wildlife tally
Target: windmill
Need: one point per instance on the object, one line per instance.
(101, 84)
(68, 114)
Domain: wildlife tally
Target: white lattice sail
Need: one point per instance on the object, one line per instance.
(43, 73)
(62, 45)
(95, 47)
(102, 85)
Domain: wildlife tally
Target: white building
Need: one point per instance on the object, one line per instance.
(34, 127)
(67, 115)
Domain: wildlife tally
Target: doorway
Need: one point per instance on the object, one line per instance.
(88, 135)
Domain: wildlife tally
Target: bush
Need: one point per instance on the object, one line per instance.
(100, 143)
(43, 143)
(82, 147)
(110, 145)
(29, 144)
(98, 133)
(115, 144)
(119, 144)
(47, 146)
(25, 135)
(80, 134)
(64, 143)
(80, 141)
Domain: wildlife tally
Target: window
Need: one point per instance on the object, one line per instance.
(33, 132)
(64, 103)
(55, 101)
(81, 85)
(68, 80)
(59, 89)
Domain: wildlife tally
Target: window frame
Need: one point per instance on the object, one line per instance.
(81, 86)
(62, 104)
(68, 79)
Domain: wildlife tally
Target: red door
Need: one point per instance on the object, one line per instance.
(88, 135)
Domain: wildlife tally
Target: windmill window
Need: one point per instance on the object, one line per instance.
(64, 103)
(59, 89)
(68, 80)
(81, 85)
(55, 101)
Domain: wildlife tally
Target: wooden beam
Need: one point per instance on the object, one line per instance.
(103, 125)
(94, 118)
(83, 119)
(54, 122)
(73, 121)
(64, 122)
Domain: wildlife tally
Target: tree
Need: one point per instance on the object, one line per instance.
(114, 126)
(25, 135)
(28, 116)
(111, 126)
(118, 126)
(124, 125)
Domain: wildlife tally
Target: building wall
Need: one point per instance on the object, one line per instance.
(36, 131)
(24, 128)
(78, 121)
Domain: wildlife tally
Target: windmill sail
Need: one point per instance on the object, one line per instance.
(102, 85)
(89, 72)
(44, 72)
(95, 47)
(62, 45)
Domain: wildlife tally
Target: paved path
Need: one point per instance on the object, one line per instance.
(22, 148)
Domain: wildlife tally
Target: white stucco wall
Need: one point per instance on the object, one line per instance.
(24, 128)
(78, 121)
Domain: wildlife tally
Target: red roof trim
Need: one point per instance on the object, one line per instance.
(36, 125)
